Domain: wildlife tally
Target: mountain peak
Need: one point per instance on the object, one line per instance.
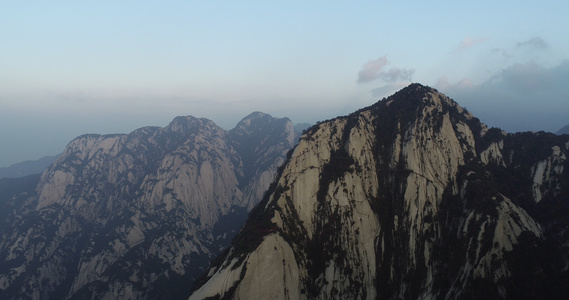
(188, 123)
(418, 97)
(256, 115)
(418, 93)
(415, 86)
(413, 91)
(256, 134)
(256, 121)
(259, 122)
(409, 198)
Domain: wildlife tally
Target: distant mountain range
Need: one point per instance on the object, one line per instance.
(138, 215)
(27, 167)
(564, 130)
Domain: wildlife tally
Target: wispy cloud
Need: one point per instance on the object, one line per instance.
(536, 43)
(521, 96)
(372, 69)
(398, 74)
(443, 84)
(502, 52)
(467, 43)
(376, 69)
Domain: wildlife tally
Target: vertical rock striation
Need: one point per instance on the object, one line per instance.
(411, 198)
(139, 216)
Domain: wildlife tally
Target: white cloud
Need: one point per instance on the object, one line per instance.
(397, 74)
(372, 69)
(375, 69)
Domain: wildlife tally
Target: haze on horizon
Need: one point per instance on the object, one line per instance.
(70, 68)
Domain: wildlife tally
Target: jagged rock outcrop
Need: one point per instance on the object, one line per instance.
(139, 215)
(411, 198)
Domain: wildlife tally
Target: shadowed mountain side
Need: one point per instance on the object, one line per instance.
(13, 195)
(410, 198)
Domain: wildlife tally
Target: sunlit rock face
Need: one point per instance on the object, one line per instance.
(140, 216)
(411, 198)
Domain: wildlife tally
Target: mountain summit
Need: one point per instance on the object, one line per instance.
(410, 198)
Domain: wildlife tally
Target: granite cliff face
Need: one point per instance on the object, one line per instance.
(139, 215)
(411, 198)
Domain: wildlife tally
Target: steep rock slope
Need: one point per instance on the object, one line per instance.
(140, 215)
(411, 198)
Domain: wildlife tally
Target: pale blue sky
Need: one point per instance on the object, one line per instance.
(71, 67)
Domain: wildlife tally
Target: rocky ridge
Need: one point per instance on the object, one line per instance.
(139, 215)
(26, 168)
(411, 198)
